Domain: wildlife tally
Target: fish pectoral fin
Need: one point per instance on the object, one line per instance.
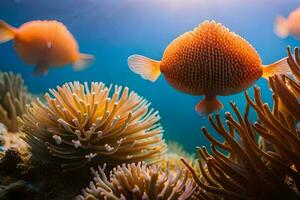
(149, 69)
(40, 70)
(279, 67)
(83, 62)
(208, 105)
(7, 32)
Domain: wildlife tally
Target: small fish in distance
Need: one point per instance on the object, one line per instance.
(288, 26)
(45, 44)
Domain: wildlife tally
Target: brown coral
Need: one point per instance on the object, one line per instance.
(13, 98)
(81, 124)
(243, 168)
(139, 181)
(249, 172)
(278, 127)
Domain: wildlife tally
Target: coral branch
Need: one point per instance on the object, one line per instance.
(241, 170)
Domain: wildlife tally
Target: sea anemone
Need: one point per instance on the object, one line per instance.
(13, 98)
(139, 181)
(79, 125)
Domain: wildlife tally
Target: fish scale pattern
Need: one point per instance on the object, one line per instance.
(211, 58)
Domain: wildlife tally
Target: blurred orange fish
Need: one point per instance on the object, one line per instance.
(209, 61)
(45, 44)
(288, 26)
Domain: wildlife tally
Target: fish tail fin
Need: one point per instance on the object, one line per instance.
(83, 62)
(7, 32)
(148, 68)
(279, 67)
(281, 28)
(208, 105)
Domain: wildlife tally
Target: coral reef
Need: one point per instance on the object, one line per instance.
(14, 140)
(79, 125)
(13, 98)
(139, 181)
(22, 179)
(10, 140)
(243, 168)
(12, 168)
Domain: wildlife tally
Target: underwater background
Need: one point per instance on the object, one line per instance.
(112, 30)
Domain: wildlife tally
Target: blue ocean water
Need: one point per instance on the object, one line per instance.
(112, 30)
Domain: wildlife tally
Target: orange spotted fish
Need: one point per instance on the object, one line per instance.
(209, 61)
(45, 44)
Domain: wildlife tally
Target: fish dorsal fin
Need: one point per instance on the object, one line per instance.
(208, 26)
(202, 31)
